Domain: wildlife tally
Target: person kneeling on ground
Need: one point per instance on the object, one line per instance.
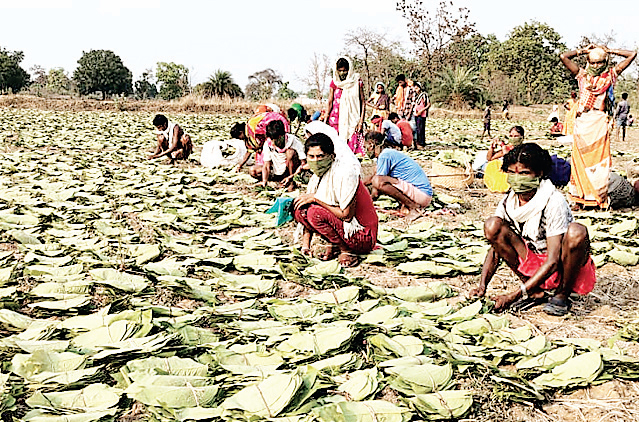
(391, 131)
(557, 127)
(336, 206)
(172, 141)
(283, 156)
(397, 176)
(405, 129)
(533, 231)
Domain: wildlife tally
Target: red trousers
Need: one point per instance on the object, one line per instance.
(318, 219)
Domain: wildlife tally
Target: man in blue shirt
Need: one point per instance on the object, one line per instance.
(397, 176)
(390, 130)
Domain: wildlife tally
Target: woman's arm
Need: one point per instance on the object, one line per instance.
(362, 111)
(629, 55)
(331, 93)
(566, 58)
(247, 155)
(345, 214)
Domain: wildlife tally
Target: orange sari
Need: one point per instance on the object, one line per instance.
(571, 114)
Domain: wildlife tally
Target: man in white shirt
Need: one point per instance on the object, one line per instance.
(283, 156)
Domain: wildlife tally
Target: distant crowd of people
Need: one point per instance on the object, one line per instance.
(532, 230)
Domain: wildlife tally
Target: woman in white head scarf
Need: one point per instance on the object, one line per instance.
(347, 104)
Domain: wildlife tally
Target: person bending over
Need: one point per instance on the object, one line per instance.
(283, 156)
(336, 206)
(397, 176)
(172, 141)
(534, 233)
(405, 129)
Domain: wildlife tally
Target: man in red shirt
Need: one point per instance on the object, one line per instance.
(404, 127)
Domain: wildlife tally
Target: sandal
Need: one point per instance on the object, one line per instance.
(557, 307)
(348, 260)
(529, 302)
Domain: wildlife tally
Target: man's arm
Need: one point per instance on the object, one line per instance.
(266, 172)
(174, 145)
(488, 270)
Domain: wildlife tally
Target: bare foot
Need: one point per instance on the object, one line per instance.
(348, 259)
(329, 253)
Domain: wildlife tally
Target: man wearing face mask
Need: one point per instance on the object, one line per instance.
(534, 233)
(283, 156)
(591, 160)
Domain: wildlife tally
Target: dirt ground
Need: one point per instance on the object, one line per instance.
(598, 315)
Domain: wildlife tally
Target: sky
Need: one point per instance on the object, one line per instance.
(245, 36)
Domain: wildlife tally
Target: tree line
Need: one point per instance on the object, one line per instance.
(458, 66)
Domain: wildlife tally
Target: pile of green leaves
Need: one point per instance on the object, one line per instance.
(129, 281)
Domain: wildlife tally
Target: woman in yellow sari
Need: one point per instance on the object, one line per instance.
(571, 114)
(591, 160)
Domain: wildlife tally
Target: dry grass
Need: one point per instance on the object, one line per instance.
(187, 104)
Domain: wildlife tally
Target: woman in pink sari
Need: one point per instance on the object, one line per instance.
(347, 104)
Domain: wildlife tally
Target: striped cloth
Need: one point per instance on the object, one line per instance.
(593, 90)
(591, 162)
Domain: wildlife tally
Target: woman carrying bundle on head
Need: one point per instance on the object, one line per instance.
(591, 160)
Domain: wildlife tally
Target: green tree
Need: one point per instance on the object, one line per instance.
(220, 84)
(531, 55)
(144, 87)
(58, 81)
(263, 84)
(102, 71)
(457, 86)
(12, 77)
(173, 79)
(286, 93)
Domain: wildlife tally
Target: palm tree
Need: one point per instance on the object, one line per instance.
(458, 86)
(221, 84)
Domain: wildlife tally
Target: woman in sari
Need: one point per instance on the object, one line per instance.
(253, 133)
(571, 113)
(337, 205)
(591, 160)
(379, 101)
(347, 104)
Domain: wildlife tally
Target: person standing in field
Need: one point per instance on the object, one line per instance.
(171, 140)
(398, 176)
(347, 104)
(422, 107)
(379, 101)
(621, 114)
(534, 233)
(487, 119)
(505, 112)
(571, 113)
(591, 159)
(410, 95)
